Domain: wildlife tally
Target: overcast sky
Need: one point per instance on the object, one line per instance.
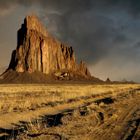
(104, 33)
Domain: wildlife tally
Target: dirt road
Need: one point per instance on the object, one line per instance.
(108, 116)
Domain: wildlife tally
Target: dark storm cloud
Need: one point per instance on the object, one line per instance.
(132, 6)
(91, 26)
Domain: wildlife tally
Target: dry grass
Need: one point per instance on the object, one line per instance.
(27, 106)
(30, 97)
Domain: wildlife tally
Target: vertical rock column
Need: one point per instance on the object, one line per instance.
(38, 51)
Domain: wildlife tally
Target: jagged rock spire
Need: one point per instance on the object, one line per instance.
(38, 51)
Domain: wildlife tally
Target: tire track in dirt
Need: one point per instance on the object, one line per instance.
(133, 126)
(91, 112)
(125, 124)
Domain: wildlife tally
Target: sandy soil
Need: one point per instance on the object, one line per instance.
(70, 112)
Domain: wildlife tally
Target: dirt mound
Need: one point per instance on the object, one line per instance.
(13, 77)
(25, 77)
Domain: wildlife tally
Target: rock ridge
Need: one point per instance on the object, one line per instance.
(38, 51)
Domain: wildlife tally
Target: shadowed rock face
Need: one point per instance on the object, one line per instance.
(38, 51)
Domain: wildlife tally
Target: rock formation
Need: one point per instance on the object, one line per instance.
(108, 80)
(37, 50)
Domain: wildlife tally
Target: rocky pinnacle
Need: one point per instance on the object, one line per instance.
(37, 50)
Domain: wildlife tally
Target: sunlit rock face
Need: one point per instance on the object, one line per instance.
(37, 50)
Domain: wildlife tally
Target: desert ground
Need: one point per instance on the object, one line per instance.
(70, 112)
